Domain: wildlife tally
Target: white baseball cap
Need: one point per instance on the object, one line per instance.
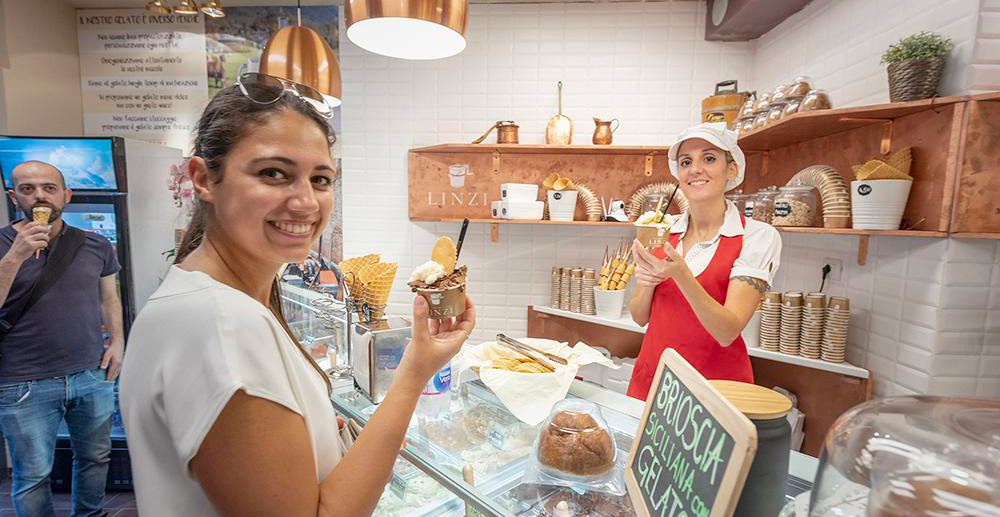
(716, 134)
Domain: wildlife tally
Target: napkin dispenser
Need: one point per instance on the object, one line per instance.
(376, 350)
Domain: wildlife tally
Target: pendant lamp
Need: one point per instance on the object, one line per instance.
(300, 55)
(408, 29)
(156, 6)
(213, 9)
(186, 7)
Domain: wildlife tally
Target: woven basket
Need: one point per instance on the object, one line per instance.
(915, 79)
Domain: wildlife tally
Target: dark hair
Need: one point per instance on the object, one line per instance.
(227, 119)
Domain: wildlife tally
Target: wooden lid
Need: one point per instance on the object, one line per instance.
(756, 402)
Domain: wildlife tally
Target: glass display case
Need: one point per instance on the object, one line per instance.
(470, 458)
(320, 323)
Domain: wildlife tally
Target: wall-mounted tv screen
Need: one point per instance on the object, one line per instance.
(86, 163)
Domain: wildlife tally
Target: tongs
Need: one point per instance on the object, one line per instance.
(531, 352)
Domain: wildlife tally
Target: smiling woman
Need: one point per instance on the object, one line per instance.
(225, 412)
(700, 289)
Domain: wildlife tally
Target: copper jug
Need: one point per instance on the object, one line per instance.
(603, 130)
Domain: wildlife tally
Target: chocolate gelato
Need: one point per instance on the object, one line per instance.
(456, 278)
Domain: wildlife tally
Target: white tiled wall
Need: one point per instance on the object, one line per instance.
(919, 320)
(986, 56)
(839, 44)
(644, 63)
(925, 313)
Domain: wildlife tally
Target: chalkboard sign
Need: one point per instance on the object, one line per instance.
(692, 450)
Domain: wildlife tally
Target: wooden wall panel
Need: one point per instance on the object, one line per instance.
(977, 203)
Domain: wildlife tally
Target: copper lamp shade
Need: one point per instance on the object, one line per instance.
(408, 29)
(300, 55)
(186, 7)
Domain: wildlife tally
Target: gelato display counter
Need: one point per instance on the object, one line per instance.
(475, 438)
(467, 454)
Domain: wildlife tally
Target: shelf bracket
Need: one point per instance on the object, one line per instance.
(863, 249)
(765, 158)
(494, 232)
(496, 162)
(886, 137)
(649, 165)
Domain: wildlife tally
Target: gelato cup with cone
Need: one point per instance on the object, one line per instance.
(440, 283)
(652, 229)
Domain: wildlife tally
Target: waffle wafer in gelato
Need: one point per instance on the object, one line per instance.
(439, 282)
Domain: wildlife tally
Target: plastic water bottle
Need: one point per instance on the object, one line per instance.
(436, 397)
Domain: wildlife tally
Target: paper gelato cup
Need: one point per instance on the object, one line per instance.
(652, 236)
(445, 303)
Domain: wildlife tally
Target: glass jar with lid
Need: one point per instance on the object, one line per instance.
(816, 100)
(763, 206)
(798, 88)
(779, 95)
(776, 113)
(763, 103)
(791, 108)
(738, 198)
(760, 120)
(795, 206)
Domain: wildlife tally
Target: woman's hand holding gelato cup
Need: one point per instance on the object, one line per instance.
(652, 228)
(440, 283)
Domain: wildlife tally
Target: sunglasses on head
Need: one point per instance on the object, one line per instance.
(267, 89)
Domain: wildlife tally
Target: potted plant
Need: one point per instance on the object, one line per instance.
(916, 64)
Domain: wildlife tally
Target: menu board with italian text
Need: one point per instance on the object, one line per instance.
(692, 450)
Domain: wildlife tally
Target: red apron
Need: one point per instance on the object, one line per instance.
(673, 324)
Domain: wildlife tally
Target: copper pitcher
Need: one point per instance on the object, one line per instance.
(603, 130)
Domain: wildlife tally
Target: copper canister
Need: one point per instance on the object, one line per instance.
(506, 132)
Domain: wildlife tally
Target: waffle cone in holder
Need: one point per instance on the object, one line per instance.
(376, 283)
(652, 236)
(351, 268)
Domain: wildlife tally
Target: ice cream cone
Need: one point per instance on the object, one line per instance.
(376, 283)
(901, 160)
(351, 267)
(40, 214)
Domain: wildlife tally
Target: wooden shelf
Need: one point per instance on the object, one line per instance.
(810, 125)
(870, 233)
(517, 221)
(543, 149)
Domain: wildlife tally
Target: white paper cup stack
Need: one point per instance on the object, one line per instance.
(838, 315)
(587, 292)
(770, 321)
(791, 322)
(813, 316)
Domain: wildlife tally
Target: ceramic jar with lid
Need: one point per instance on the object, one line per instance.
(795, 206)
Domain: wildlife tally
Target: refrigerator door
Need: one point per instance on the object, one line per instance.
(151, 214)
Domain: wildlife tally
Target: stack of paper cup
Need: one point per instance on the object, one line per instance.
(838, 315)
(564, 284)
(791, 322)
(556, 282)
(813, 316)
(575, 284)
(587, 291)
(770, 321)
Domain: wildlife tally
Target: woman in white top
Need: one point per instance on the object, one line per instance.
(700, 289)
(225, 412)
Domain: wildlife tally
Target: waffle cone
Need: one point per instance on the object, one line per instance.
(375, 291)
(351, 268)
(901, 160)
(41, 214)
(879, 170)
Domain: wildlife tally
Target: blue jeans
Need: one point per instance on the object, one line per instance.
(30, 414)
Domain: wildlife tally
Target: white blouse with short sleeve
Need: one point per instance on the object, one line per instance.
(195, 343)
(759, 257)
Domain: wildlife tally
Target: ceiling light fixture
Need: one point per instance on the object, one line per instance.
(186, 7)
(213, 9)
(300, 55)
(156, 6)
(408, 29)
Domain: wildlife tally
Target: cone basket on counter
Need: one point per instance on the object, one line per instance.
(370, 282)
